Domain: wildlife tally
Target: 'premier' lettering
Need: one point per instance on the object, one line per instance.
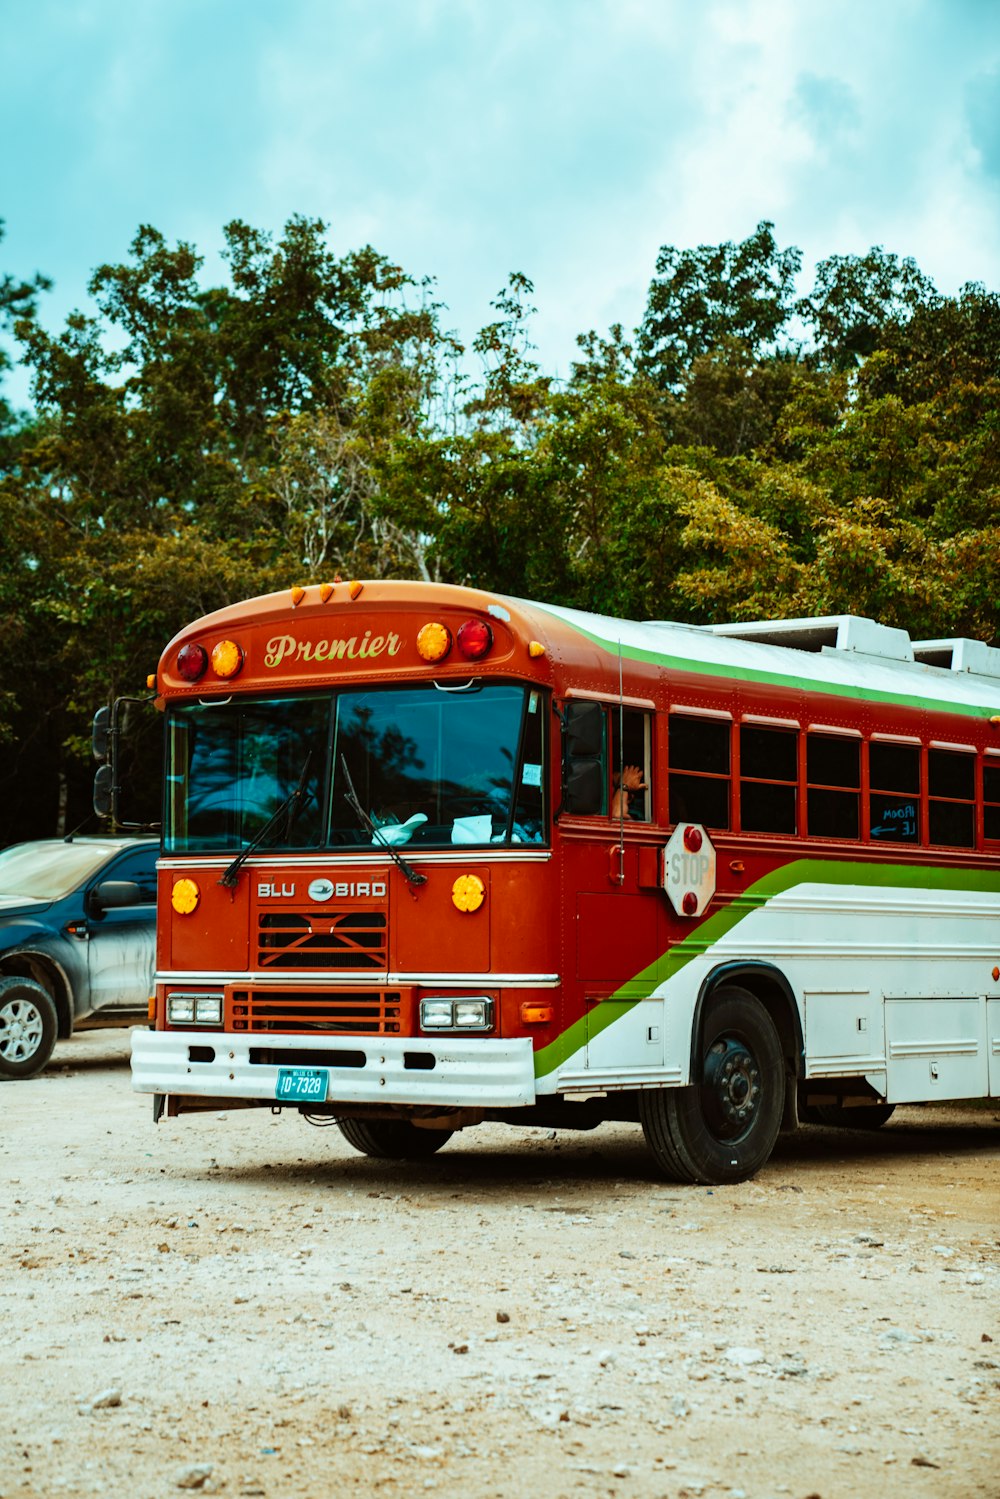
(284, 647)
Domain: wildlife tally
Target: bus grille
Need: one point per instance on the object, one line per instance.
(377, 1012)
(350, 939)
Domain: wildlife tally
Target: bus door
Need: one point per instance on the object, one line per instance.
(611, 888)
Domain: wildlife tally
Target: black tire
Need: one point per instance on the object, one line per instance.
(29, 1026)
(861, 1116)
(393, 1139)
(722, 1128)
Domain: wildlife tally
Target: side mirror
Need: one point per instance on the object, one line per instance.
(100, 737)
(104, 782)
(110, 894)
(584, 730)
(584, 779)
(122, 745)
(583, 786)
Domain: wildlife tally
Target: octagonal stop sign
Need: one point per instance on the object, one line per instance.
(689, 869)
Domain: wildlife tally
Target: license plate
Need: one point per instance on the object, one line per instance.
(302, 1084)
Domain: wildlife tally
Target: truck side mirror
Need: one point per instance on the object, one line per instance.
(109, 895)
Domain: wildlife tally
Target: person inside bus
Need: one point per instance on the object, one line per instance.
(627, 783)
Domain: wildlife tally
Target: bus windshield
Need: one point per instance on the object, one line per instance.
(430, 766)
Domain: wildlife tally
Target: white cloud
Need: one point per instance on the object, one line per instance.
(465, 138)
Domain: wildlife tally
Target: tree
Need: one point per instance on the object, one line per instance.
(857, 300)
(700, 298)
(18, 299)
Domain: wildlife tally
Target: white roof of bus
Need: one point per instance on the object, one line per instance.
(868, 660)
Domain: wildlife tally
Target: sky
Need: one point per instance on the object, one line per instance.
(466, 139)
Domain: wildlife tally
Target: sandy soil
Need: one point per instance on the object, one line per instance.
(240, 1304)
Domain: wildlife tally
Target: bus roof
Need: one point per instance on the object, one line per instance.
(847, 656)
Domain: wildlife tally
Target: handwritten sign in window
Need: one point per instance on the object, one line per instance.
(894, 819)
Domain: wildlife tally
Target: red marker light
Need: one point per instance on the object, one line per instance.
(692, 839)
(192, 662)
(475, 639)
(690, 903)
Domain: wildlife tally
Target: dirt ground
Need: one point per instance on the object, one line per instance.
(240, 1304)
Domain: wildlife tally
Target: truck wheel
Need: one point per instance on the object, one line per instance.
(392, 1139)
(862, 1116)
(723, 1127)
(28, 1027)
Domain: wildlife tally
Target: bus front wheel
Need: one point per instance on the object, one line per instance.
(723, 1127)
(392, 1139)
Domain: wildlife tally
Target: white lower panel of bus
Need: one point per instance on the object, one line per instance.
(472, 1072)
(888, 984)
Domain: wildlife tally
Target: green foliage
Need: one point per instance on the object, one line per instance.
(193, 444)
(700, 299)
(858, 300)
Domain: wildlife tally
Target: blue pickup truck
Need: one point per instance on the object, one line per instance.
(77, 940)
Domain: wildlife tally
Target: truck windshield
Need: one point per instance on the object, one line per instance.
(432, 767)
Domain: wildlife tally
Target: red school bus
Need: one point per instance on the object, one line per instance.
(433, 856)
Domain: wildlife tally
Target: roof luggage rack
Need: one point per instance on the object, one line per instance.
(972, 656)
(828, 632)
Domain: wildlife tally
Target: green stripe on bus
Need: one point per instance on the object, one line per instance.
(705, 935)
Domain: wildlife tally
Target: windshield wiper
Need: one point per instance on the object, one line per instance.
(292, 804)
(351, 798)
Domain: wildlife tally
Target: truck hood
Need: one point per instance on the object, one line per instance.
(21, 905)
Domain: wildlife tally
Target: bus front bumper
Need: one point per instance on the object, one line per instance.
(455, 1071)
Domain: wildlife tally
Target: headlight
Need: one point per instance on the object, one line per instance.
(456, 1014)
(194, 1009)
(436, 1014)
(472, 1014)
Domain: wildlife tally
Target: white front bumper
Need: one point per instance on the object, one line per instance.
(467, 1073)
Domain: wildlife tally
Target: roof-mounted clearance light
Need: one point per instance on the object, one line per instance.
(475, 639)
(192, 662)
(227, 659)
(434, 641)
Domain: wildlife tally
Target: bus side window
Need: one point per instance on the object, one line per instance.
(951, 787)
(698, 753)
(633, 728)
(833, 786)
(991, 800)
(894, 794)
(769, 779)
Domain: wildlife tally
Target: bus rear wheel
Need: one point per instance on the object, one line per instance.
(723, 1127)
(392, 1139)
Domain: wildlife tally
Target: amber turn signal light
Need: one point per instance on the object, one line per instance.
(434, 641)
